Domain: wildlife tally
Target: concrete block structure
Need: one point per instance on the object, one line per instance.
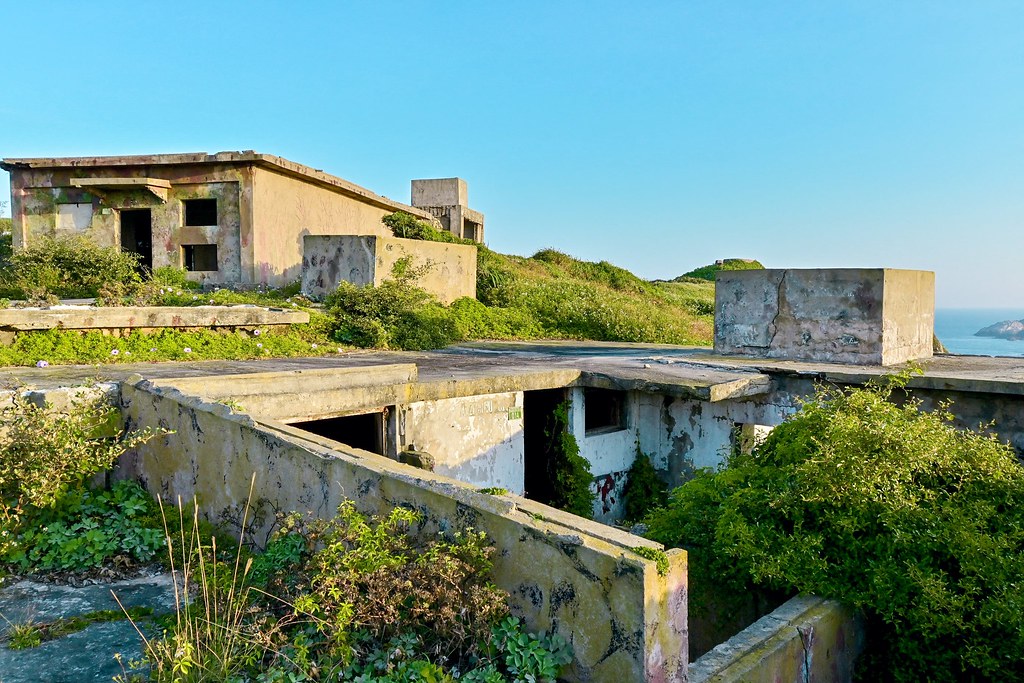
(230, 217)
(864, 316)
(447, 199)
(447, 271)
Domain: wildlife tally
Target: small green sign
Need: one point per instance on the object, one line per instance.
(515, 413)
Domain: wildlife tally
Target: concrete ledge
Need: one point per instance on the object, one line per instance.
(131, 317)
(806, 639)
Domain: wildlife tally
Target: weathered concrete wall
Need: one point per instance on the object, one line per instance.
(363, 260)
(45, 203)
(806, 639)
(475, 439)
(286, 209)
(683, 435)
(864, 316)
(626, 621)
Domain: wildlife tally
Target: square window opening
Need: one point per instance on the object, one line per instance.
(200, 212)
(604, 410)
(199, 256)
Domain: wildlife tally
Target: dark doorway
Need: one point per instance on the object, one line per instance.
(538, 420)
(365, 432)
(137, 235)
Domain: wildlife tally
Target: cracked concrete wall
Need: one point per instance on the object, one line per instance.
(448, 270)
(867, 316)
(625, 620)
(476, 439)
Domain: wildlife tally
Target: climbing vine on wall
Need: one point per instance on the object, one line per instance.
(569, 470)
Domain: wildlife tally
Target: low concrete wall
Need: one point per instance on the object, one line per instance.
(328, 260)
(806, 639)
(867, 316)
(135, 317)
(626, 621)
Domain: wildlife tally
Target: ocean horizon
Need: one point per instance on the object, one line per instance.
(955, 327)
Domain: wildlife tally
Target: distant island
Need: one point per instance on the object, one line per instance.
(1008, 329)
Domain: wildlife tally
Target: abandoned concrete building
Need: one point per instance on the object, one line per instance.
(230, 217)
(459, 435)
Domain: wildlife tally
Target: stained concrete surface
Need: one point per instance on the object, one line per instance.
(87, 655)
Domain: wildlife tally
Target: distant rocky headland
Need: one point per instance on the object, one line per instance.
(1008, 329)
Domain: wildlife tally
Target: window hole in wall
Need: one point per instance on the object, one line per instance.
(197, 257)
(200, 212)
(604, 410)
(365, 431)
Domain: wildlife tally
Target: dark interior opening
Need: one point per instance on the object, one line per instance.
(604, 410)
(358, 431)
(200, 212)
(199, 256)
(538, 418)
(137, 235)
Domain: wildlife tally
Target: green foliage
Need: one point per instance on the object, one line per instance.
(355, 599)
(644, 490)
(886, 507)
(395, 315)
(44, 452)
(708, 272)
(87, 528)
(655, 554)
(409, 227)
(71, 268)
(68, 346)
(566, 468)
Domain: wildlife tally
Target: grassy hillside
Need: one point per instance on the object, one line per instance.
(708, 272)
(577, 299)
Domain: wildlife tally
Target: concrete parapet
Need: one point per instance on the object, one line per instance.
(865, 316)
(328, 260)
(806, 639)
(134, 317)
(623, 614)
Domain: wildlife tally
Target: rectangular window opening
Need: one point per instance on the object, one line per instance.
(604, 410)
(200, 212)
(365, 431)
(199, 256)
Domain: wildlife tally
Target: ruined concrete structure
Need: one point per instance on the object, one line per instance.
(448, 199)
(446, 270)
(867, 316)
(230, 217)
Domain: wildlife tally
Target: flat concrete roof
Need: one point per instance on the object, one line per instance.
(247, 157)
(694, 372)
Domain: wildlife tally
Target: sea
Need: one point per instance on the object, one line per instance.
(955, 327)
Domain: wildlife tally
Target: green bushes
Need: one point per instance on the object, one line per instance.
(351, 599)
(71, 268)
(48, 517)
(408, 226)
(885, 507)
(643, 491)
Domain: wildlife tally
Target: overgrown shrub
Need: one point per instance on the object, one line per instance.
(644, 490)
(883, 506)
(71, 267)
(354, 598)
(568, 471)
(708, 272)
(409, 227)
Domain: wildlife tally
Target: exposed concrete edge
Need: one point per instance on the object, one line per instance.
(120, 317)
(494, 384)
(504, 504)
(308, 381)
(795, 630)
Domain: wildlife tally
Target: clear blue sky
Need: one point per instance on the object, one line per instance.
(659, 137)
